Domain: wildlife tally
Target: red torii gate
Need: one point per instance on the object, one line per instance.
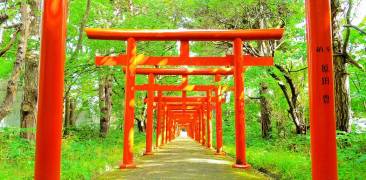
(197, 109)
(131, 60)
(197, 123)
(151, 87)
(53, 45)
(185, 87)
(180, 115)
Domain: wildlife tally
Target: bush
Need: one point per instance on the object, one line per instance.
(84, 153)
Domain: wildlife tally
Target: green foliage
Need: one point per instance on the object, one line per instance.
(289, 158)
(84, 153)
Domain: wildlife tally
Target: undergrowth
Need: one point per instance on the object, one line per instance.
(84, 153)
(289, 157)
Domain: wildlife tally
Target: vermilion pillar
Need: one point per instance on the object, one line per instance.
(168, 119)
(158, 120)
(321, 90)
(129, 107)
(218, 94)
(239, 105)
(200, 125)
(164, 123)
(209, 123)
(193, 131)
(203, 127)
(197, 125)
(51, 90)
(150, 111)
(174, 130)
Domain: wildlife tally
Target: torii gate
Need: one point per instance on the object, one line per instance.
(151, 87)
(189, 109)
(50, 102)
(131, 60)
(217, 72)
(193, 113)
(177, 115)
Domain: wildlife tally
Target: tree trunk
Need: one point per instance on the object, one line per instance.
(21, 52)
(67, 114)
(130, 6)
(342, 95)
(265, 112)
(81, 30)
(70, 118)
(292, 99)
(72, 113)
(105, 104)
(28, 109)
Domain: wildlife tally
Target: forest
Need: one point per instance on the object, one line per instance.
(276, 101)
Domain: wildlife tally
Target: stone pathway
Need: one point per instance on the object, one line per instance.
(183, 158)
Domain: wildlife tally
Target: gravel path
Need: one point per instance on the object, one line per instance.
(183, 158)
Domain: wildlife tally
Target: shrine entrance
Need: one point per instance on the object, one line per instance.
(176, 113)
(132, 60)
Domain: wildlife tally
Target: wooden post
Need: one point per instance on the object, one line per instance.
(51, 91)
(158, 120)
(203, 127)
(150, 116)
(321, 90)
(218, 94)
(128, 161)
(209, 123)
(239, 106)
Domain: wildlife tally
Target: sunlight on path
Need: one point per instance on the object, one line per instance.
(183, 158)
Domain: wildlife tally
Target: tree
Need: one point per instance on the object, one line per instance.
(258, 15)
(265, 111)
(341, 59)
(73, 72)
(28, 108)
(12, 86)
(105, 103)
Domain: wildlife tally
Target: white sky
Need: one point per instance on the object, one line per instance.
(360, 13)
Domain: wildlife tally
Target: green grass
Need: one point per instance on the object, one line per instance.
(84, 153)
(289, 158)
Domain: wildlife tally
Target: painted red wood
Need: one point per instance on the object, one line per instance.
(322, 113)
(228, 60)
(193, 35)
(51, 91)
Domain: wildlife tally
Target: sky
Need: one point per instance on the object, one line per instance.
(360, 13)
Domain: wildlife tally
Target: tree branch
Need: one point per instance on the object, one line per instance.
(10, 44)
(290, 82)
(348, 32)
(350, 60)
(254, 98)
(16, 25)
(297, 70)
(356, 28)
(81, 30)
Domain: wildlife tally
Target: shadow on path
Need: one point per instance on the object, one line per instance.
(183, 158)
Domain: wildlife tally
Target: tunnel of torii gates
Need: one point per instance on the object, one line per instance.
(179, 110)
(131, 61)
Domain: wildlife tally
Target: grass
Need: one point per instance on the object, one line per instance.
(84, 153)
(289, 158)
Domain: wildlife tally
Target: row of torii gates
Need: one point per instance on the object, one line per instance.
(190, 113)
